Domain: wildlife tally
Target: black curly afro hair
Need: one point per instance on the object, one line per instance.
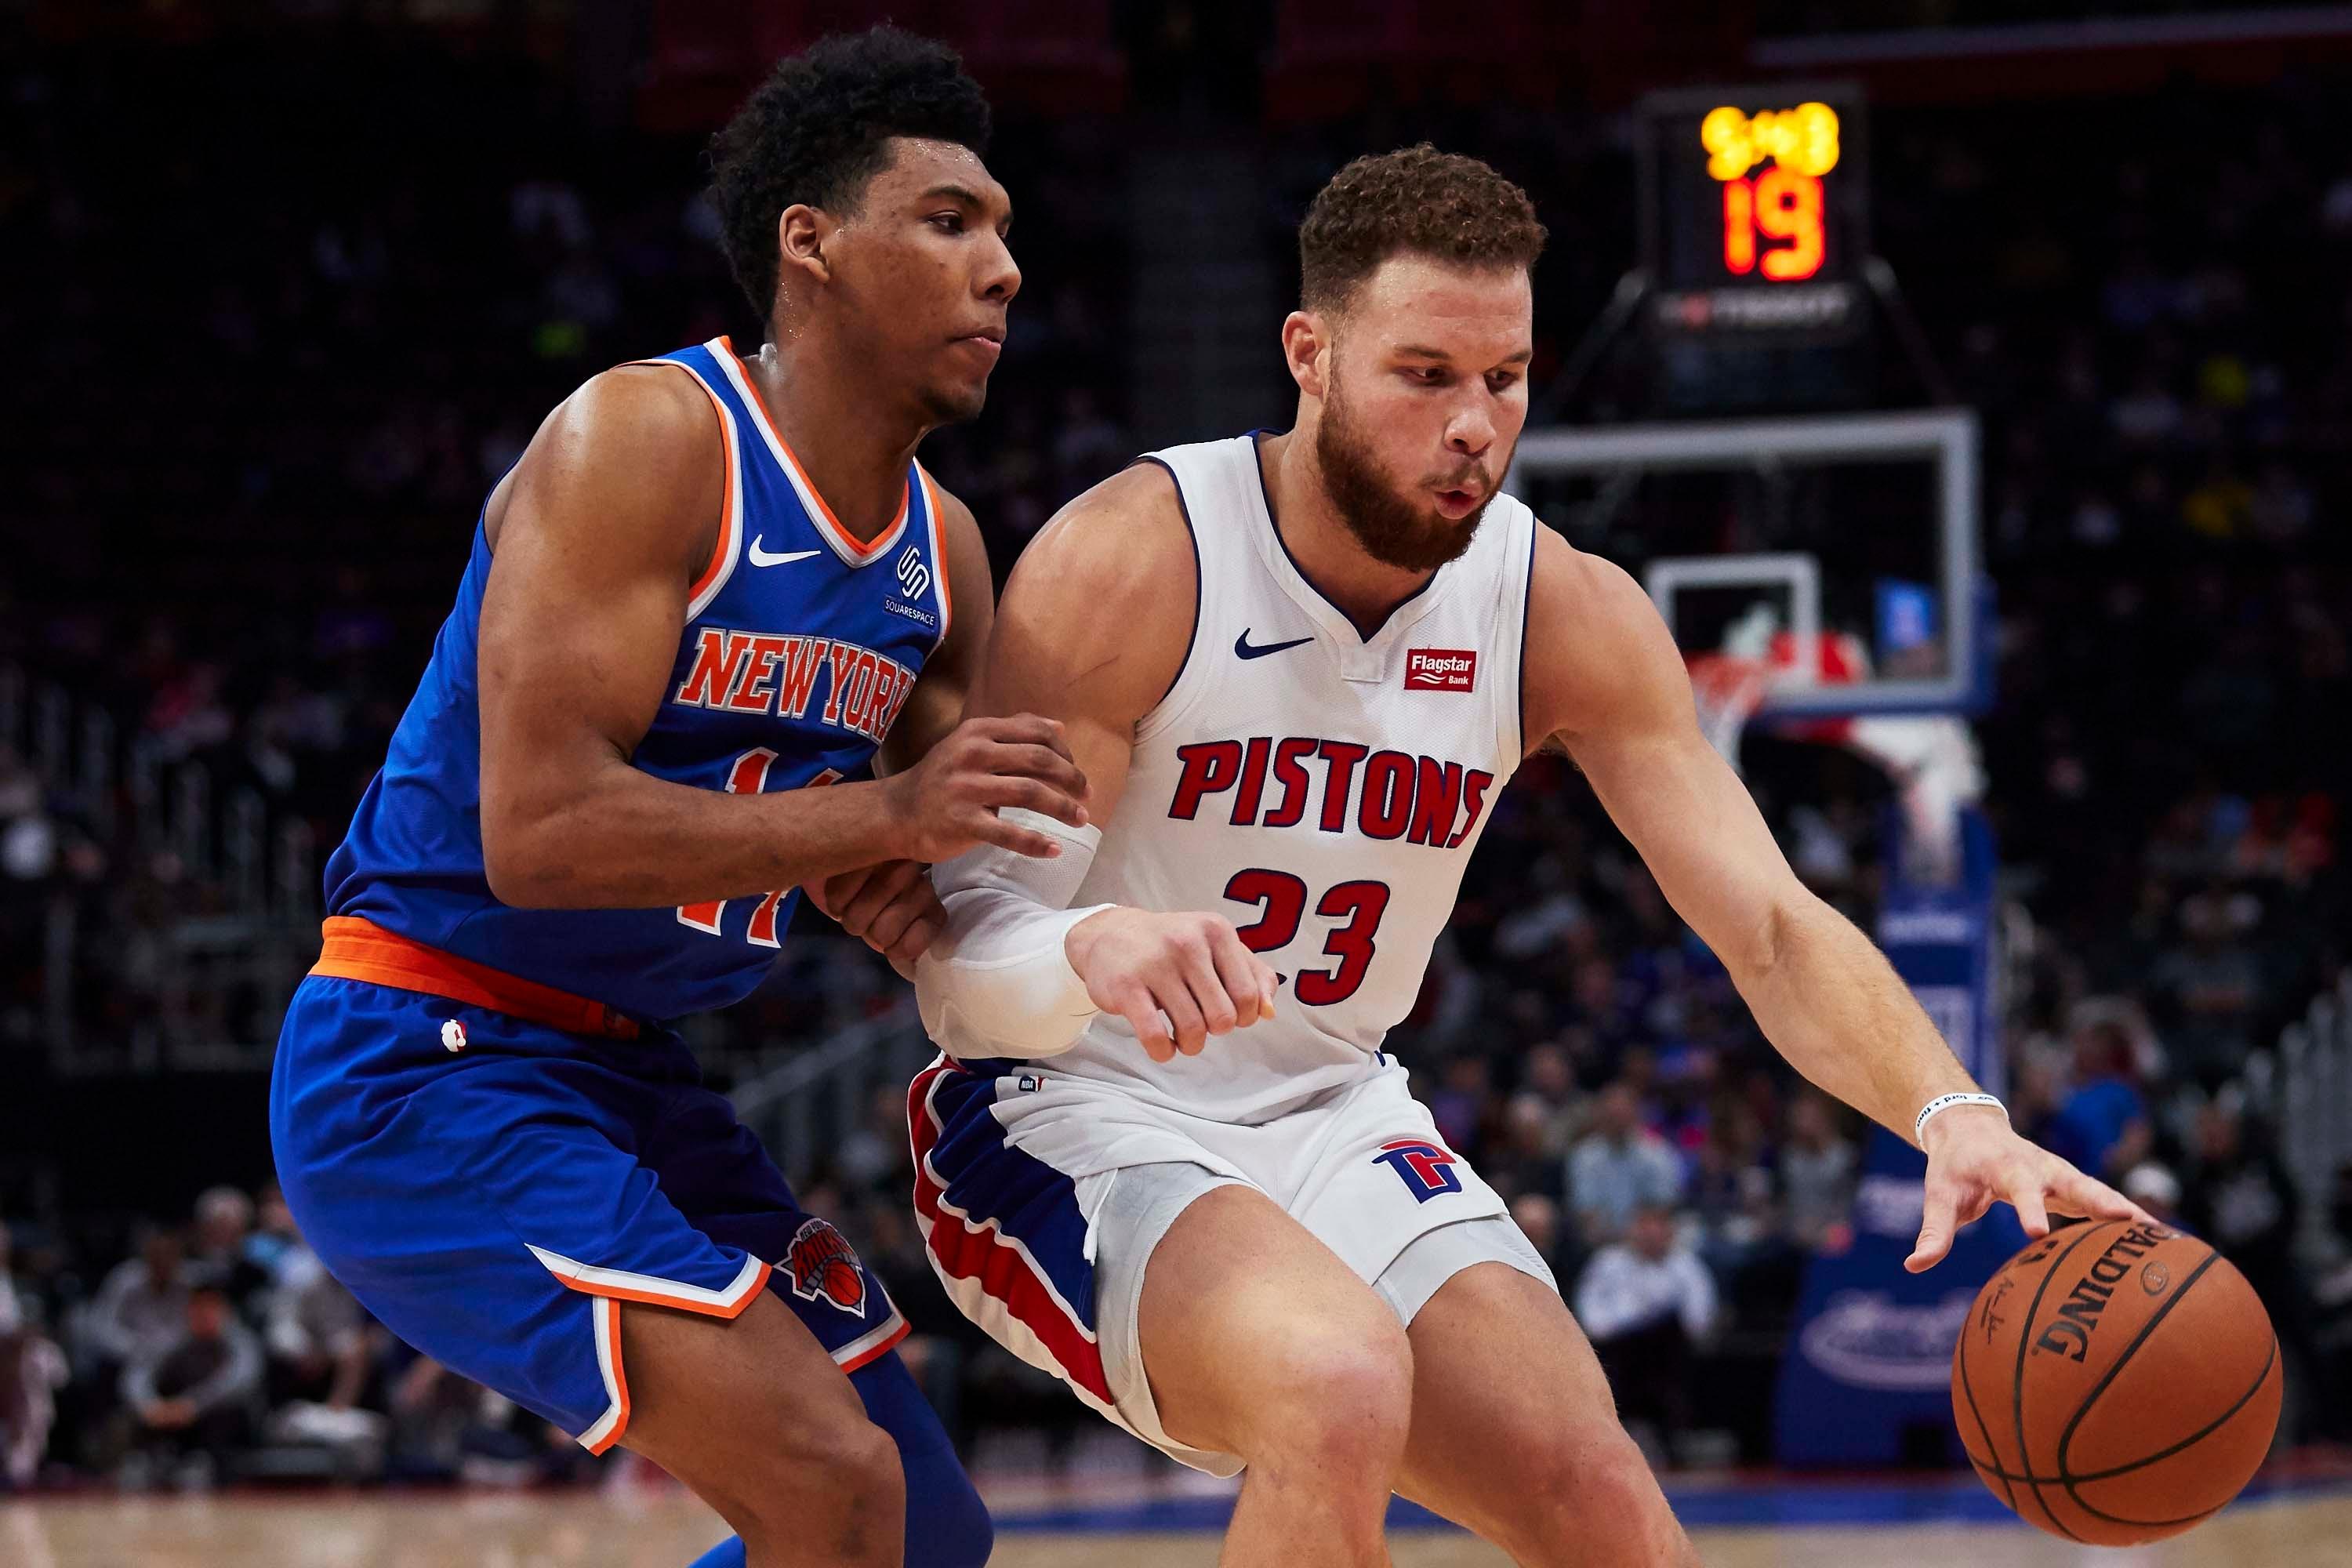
(819, 129)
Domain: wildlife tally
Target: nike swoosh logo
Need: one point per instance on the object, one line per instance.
(761, 558)
(1244, 648)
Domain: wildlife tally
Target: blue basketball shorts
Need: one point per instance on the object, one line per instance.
(493, 1189)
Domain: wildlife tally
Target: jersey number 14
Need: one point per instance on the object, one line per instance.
(748, 776)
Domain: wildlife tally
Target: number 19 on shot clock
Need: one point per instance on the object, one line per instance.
(1755, 230)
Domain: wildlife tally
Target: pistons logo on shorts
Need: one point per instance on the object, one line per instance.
(1424, 1168)
(824, 1269)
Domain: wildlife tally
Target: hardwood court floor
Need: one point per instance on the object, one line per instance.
(653, 1530)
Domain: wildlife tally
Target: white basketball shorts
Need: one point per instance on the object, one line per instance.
(1040, 1197)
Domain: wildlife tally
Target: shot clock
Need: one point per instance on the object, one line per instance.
(1755, 238)
(1771, 166)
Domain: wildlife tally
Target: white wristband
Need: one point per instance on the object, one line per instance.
(1944, 1102)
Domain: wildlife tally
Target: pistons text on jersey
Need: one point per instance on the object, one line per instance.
(1420, 800)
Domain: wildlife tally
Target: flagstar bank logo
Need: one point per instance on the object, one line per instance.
(1440, 669)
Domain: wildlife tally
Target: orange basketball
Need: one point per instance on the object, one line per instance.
(2116, 1383)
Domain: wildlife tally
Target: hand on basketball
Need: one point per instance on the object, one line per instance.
(1975, 1159)
(890, 907)
(1176, 979)
(948, 802)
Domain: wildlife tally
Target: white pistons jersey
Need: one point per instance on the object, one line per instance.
(1321, 788)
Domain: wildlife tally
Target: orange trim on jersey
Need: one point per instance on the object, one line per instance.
(857, 548)
(875, 1352)
(608, 1332)
(722, 553)
(649, 1293)
(359, 948)
(938, 552)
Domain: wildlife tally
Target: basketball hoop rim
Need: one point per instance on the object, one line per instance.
(1727, 689)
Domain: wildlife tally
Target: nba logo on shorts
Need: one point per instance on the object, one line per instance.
(1421, 1166)
(823, 1268)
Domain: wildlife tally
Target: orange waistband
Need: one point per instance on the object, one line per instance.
(359, 948)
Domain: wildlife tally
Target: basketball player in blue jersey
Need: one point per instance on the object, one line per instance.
(711, 584)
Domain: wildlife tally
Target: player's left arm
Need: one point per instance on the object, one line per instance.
(1604, 680)
(892, 906)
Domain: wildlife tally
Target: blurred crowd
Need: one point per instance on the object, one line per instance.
(219, 1349)
(242, 507)
(248, 478)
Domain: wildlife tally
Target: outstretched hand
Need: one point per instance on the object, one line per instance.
(1975, 1159)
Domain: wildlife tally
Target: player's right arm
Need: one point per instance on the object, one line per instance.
(597, 536)
(1093, 629)
(1604, 680)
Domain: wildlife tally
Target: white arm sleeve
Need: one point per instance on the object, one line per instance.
(996, 980)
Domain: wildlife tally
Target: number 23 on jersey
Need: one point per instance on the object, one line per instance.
(1281, 899)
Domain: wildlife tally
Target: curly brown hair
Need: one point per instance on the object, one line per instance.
(1417, 200)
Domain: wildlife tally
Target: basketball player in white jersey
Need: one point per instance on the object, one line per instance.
(1296, 669)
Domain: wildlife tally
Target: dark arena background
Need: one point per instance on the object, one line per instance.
(1988, 440)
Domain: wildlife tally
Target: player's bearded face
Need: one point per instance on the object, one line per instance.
(1397, 521)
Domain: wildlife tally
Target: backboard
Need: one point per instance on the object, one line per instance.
(1851, 539)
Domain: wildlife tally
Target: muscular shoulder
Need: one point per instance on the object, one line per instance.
(1597, 652)
(632, 459)
(1116, 567)
(1108, 590)
(1122, 538)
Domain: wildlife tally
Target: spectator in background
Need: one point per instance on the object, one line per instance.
(321, 1347)
(1619, 1168)
(273, 1237)
(223, 1224)
(2211, 989)
(324, 1354)
(2156, 1189)
(1514, 1159)
(2240, 1199)
(1538, 1220)
(1731, 1190)
(1645, 1303)
(142, 1307)
(444, 1428)
(2102, 1125)
(32, 1370)
(1548, 1089)
(1459, 1105)
(192, 1402)
(1817, 1175)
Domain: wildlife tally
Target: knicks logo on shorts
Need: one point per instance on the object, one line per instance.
(824, 1269)
(1423, 1167)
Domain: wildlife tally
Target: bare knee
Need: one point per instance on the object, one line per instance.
(1590, 1499)
(836, 1477)
(1343, 1399)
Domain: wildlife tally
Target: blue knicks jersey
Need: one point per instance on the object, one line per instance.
(800, 649)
